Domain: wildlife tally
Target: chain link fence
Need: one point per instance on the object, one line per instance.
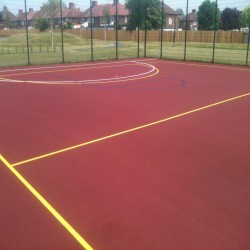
(54, 31)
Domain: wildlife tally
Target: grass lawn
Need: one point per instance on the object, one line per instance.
(43, 49)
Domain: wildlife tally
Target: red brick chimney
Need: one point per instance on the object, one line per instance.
(94, 3)
(71, 5)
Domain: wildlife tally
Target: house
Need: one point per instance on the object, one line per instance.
(190, 21)
(102, 15)
(5, 18)
(171, 17)
(70, 13)
(19, 21)
(101, 12)
(99, 19)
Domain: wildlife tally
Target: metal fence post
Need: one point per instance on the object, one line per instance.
(185, 46)
(116, 30)
(162, 24)
(62, 37)
(145, 31)
(248, 40)
(27, 32)
(91, 32)
(138, 42)
(215, 28)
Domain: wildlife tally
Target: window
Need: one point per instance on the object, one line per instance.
(89, 20)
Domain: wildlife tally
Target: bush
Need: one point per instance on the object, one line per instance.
(42, 24)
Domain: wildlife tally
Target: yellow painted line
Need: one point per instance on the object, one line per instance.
(129, 130)
(52, 210)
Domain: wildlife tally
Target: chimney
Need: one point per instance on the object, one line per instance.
(194, 11)
(20, 11)
(71, 5)
(30, 9)
(94, 3)
(5, 8)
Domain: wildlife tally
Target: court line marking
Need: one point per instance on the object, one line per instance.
(149, 73)
(76, 65)
(76, 68)
(129, 130)
(47, 205)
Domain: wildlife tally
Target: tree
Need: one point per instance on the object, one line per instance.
(106, 20)
(41, 24)
(52, 7)
(68, 25)
(144, 14)
(230, 19)
(180, 14)
(206, 16)
(245, 17)
(106, 15)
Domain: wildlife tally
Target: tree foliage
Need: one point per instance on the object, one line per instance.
(52, 7)
(208, 16)
(230, 19)
(106, 15)
(245, 17)
(180, 13)
(41, 24)
(68, 25)
(144, 14)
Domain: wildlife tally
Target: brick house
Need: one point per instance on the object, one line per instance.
(171, 17)
(19, 21)
(70, 13)
(5, 18)
(77, 17)
(98, 14)
(191, 19)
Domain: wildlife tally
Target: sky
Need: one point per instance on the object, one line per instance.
(15, 5)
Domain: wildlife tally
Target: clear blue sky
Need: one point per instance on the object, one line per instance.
(14, 5)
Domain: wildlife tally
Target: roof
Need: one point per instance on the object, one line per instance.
(191, 17)
(168, 10)
(6, 14)
(98, 10)
(66, 12)
(70, 12)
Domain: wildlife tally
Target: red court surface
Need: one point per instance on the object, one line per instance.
(141, 154)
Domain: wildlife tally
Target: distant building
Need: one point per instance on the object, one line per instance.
(171, 17)
(190, 21)
(5, 18)
(100, 12)
(20, 19)
(70, 13)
